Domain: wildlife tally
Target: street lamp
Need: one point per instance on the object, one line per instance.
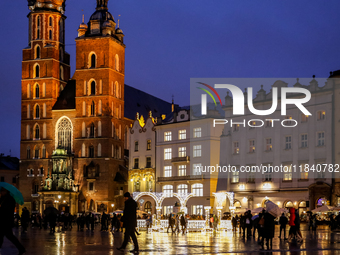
(112, 205)
(59, 196)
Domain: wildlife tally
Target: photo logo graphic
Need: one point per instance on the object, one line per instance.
(238, 99)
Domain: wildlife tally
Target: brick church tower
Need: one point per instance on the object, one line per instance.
(81, 118)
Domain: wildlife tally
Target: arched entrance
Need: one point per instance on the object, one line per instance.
(148, 207)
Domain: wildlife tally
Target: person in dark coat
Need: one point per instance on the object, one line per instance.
(269, 229)
(52, 219)
(7, 206)
(130, 222)
(243, 224)
(170, 224)
(25, 218)
(234, 223)
(91, 220)
(248, 223)
(283, 223)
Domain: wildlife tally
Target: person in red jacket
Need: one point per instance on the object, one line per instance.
(292, 230)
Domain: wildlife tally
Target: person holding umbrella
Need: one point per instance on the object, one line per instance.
(7, 206)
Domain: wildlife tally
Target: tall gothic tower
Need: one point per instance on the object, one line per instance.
(45, 72)
(99, 75)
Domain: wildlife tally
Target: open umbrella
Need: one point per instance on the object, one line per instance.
(13, 191)
(324, 208)
(273, 209)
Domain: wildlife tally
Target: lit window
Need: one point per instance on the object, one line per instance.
(251, 146)
(304, 118)
(197, 209)
(197, 189)
(197, 132)
(167, 154)
(167, 171)
(182, 189)
(269, 123)
(321, 138)
(196, 169)
(236, 127)
(148, 145)
(168, 190)
(287, 172)
(182, 170)
(235, 177)
(269, 146)
(321, 115)
(236, 148)
(182, 152)
(288, 142)
(304, 141)
(167, 136)
(182, 134)
(304, 169)
(197, 149)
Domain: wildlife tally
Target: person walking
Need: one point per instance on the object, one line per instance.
(7, 206)
(183, 223)
(248, 222)
(269, 229)
(283, 223)
(130, 223)
(170, 224)
(234, 223)
(25, 218)
(177, 224)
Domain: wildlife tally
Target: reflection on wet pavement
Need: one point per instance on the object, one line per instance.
(36, 241)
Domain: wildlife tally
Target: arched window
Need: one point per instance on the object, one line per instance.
(93, 108)
(64, 131)
(93, 88)
(93, 60)
(61, 73)
(37, 112)
(197, 189)
(37, 91)
(91, 151)
(36, 71)
(36, 132)
(50, 21)
(116, 63)
(168, 190)
(37, 52)
(99, 150)
(99, 128)
(50, 34)
(28, 152)
(92, 130)
(182, 189)
(36, 152)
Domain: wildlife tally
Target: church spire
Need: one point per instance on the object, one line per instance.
(102, 5)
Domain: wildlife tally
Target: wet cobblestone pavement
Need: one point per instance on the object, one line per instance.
(36, 241)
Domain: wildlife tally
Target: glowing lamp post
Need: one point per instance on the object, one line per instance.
(207, 214)
(112, 205)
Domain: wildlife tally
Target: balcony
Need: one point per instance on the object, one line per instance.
(180, 178)
(180, 159)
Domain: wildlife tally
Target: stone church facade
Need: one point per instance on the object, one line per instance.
(84, 115)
